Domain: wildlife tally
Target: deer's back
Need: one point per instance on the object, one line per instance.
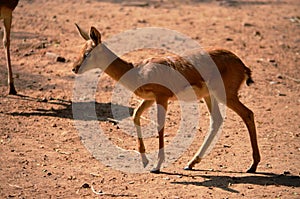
(199, 66)
(196, 67)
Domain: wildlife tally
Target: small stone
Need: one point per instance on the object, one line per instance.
(136, 3)
(85, 186)
(40, 45)
(142, 21)
(43, 100)
(121, 156)
(260, 60)
(273, 62)
(60, 59)
(71, 178)
(268, 166)
(257, 33)
(95, 174)
(51, 55)
(279, 76)
(29, 53)
(248, 24)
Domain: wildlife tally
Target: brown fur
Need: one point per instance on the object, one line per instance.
(11, 4)
(233, 73)
(232, 69)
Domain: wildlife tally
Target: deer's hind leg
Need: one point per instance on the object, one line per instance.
(216, 121)
(248, 118)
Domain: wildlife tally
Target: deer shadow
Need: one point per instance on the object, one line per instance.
(235, 3)
(225, 181)
(86, 111)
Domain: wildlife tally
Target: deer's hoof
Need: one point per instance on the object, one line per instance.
(12, 90)
(188, 168)
(156, 171)
(145, 163)
(145, 160)
(251, 170)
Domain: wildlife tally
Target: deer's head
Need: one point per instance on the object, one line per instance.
(93, 39)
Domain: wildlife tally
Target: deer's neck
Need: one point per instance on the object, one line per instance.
(118, 68)
(115, 67)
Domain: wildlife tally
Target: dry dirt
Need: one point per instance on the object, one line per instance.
(42, 156)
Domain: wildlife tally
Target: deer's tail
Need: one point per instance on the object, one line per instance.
(249, 79)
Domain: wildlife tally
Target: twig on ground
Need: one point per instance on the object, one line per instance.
(291, 78)
(111, 194)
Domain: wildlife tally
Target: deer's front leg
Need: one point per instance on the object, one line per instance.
(6, 43)
(162, 105)
(136, 119)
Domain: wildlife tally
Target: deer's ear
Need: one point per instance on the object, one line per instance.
(82, 33)
(95, 35)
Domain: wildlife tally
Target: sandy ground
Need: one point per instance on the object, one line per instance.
(41, 153)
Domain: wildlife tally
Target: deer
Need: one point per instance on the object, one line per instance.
(232, 70)
(6, 9)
